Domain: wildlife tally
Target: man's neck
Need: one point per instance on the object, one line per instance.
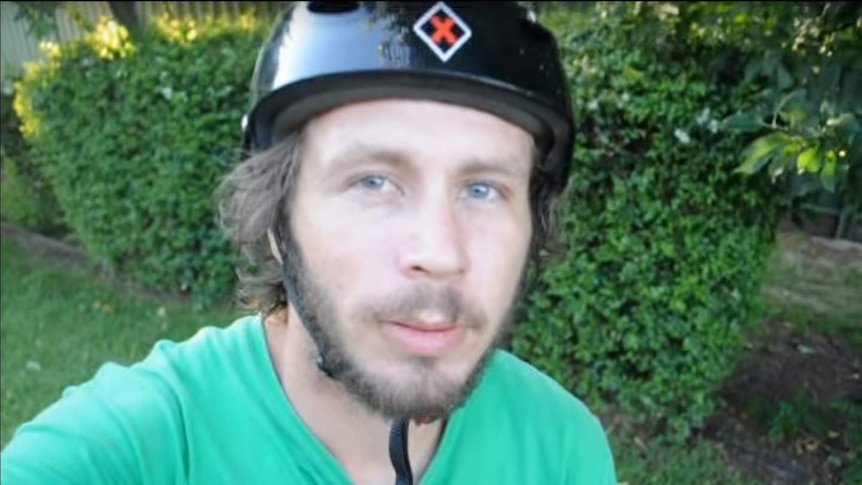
(358, 439)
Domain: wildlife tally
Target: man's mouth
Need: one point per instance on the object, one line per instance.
(428, 338)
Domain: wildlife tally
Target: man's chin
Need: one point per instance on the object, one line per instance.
(418, 389)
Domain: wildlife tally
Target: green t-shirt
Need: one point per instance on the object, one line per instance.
(211, 411)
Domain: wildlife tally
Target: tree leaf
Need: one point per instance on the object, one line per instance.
(795, 115)
(778, 167)
(752, 69)
(809, 160)
(798, 109)
(827, 176)
(760, 151)
(848, 128)
(784, 79)
(793, 99)
(744, 122)
(770, 61)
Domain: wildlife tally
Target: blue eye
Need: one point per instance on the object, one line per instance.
(482, 191)
(373, 182)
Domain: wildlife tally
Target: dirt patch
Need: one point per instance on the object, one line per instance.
(784, 422)
(45, 248)
(62, 254)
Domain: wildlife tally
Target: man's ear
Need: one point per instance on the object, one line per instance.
(273, 246)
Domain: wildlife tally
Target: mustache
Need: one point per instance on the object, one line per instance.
(424, 298)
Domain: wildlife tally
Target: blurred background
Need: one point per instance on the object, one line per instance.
(704, 294)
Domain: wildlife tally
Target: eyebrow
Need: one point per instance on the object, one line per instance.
(358, 153)
(506, 166)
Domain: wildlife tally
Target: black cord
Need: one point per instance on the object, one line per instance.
(398, 452)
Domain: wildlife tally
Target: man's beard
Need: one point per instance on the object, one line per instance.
(429, 395)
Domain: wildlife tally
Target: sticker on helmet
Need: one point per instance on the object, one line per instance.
(442, 30)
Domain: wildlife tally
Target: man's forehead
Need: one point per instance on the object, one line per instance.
(402, 131)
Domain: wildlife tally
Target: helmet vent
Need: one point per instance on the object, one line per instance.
(332, 7)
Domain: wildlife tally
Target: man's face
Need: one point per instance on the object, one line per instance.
(412, 225)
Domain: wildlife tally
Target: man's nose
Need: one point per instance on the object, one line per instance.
(435, 246)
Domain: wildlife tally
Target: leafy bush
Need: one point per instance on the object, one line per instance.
(24, 202)
(10, 126)
(133, 137)
(665, 246)
(656, 462)
(27, 200)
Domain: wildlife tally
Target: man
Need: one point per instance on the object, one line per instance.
(404, 158)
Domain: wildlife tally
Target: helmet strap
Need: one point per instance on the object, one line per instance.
(289, 282)
(398, 454)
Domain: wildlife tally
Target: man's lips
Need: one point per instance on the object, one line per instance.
(423, 325)
(423, 338)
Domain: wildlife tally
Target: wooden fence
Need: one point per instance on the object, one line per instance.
(18, 45)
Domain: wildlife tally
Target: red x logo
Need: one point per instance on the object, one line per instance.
(443, 29)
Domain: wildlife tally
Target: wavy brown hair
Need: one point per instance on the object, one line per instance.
(253, 199)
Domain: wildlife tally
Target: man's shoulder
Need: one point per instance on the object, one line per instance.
(208, 346)
(208, 338)
(520, 411)
(138, 408)
(168, 370)
(515, 391)
(512, 375)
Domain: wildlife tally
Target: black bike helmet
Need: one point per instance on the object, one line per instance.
(491, 56)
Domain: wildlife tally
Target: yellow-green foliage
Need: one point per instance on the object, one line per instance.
(134, 135)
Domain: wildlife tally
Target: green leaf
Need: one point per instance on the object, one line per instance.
(778, 166)
(796, 115)
(752, 69)
(794, 99)
(771, 62)
(760, 151)
(844, 119)
(848, 128)
(827, 176)
(744, 122)
(797, 108)
(632, 74)
(784, 79)
(809, 160)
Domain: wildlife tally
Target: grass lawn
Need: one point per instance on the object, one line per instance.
(59, 325)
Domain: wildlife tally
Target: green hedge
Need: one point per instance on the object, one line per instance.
(27, 199)
(665, 245)
(10, 125)
(134, 134)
